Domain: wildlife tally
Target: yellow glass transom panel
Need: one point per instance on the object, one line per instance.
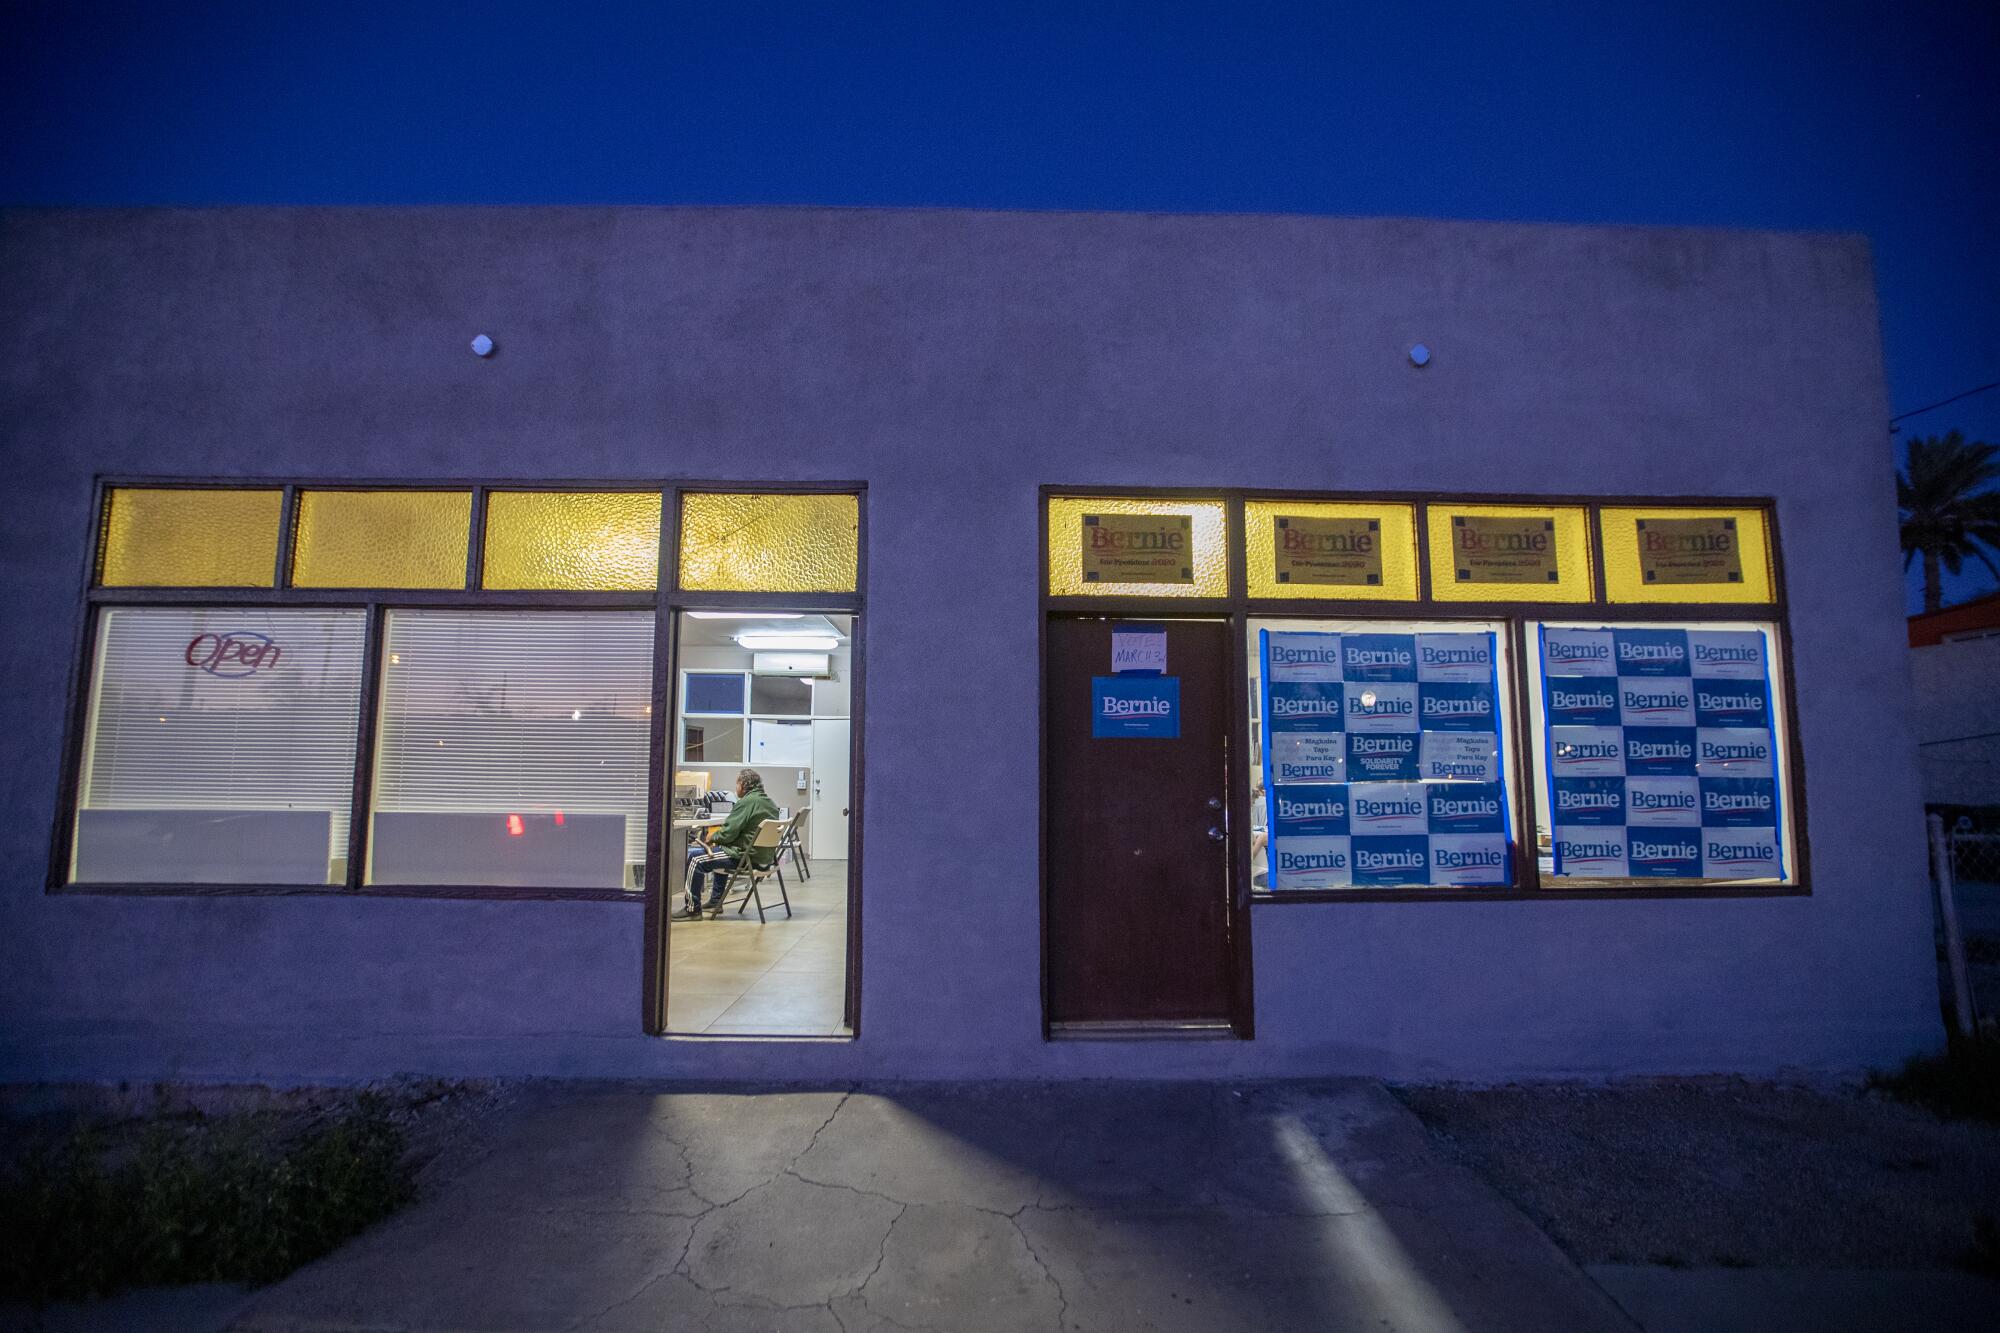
(577, 540)
(1208, 567)
(1509, 553)
(158, 538)
(1686, 555)
(1336, 551)
(382, 539)
(770, 543)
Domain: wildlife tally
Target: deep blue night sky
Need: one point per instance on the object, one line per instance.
(1878, 118)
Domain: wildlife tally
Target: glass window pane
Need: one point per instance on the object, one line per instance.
(784, 696)
(712, 740)
(220, 747)
(712, 692)
(382, 539)
(605, 540)
(1509, 553)
(770, 543)
(1685, 555)
(1106, 546)
(788, 744)
(1299, 548)
(1383, 754)
(190, 539)
(512, 749)
(1659, 754)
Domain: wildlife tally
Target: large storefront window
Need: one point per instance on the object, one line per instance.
(621, 693)
(511, 749)
(1660, 750)
(1383, 755)
(219, 747)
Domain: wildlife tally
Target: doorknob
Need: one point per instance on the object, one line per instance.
(1216, 835)
(1215, 802)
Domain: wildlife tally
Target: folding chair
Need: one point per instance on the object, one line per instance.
(794, 846)
(769, 833)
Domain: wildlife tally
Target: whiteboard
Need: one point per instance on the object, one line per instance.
(781, 744)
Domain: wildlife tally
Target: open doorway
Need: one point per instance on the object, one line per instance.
(759, 824)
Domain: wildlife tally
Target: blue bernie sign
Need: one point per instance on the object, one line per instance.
(1135, 706)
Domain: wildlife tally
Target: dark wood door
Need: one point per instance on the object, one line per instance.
(1137, 855)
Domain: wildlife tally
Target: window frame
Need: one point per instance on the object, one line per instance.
(1516, 618)
(1786, 776)
(1523, 851)
(664, 600)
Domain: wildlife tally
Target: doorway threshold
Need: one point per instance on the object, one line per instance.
(1160, 1029)
(792, 1037)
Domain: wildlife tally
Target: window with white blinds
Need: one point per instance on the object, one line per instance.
(219, 746)
(511, 748)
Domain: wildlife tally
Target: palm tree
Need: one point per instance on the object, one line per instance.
(1948, 515)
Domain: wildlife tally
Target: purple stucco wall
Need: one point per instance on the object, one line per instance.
(955, 361)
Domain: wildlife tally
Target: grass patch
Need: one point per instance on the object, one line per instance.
(193, 1199)
(1964, 1082)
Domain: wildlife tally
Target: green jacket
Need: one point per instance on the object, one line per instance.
(740, 829)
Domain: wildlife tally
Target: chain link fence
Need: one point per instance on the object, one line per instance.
(1965, 860)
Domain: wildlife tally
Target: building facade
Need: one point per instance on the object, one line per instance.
(1173, 646)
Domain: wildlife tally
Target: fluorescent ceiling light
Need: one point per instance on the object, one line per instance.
(802, 642)
(746, 615)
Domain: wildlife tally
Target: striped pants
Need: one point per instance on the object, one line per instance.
(716, 866)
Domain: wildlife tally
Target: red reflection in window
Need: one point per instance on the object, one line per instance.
(514, 825)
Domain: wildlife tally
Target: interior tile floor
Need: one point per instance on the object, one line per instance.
(781, 978)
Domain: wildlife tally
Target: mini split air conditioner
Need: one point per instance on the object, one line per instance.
(792, 664)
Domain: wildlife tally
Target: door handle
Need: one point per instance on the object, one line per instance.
(1216, 835)
(1215, 802)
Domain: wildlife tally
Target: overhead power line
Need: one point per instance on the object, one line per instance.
(1942, 402)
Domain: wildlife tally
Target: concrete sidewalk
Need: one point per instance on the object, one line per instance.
(985, 1207)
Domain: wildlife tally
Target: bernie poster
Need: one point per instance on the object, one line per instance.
(1661, 754)
(1382, 761)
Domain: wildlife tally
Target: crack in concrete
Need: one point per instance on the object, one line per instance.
(584, 1210)
(860, 1291)
(1062, 1298)
(851, 1189)
(644, 1287)
(838, 1106)
(881, 1255)
(750, 1299)
(687, 1160)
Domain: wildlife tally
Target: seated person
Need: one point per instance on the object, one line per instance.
(720, 852)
